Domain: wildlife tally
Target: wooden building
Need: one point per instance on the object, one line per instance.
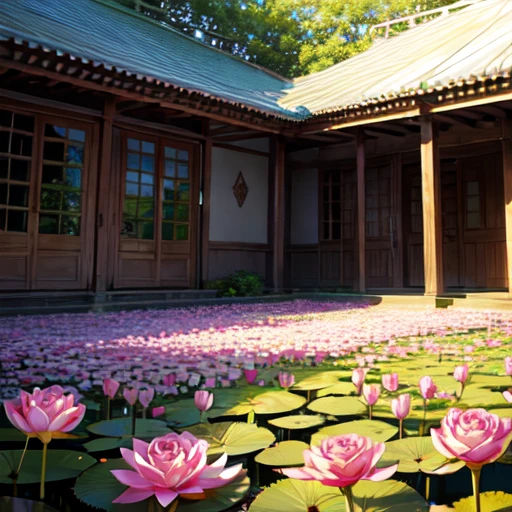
(134, 157)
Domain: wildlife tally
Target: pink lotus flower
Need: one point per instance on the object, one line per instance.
(110, 387)
(508, 396)
(210, 382)
(286, 380)
(46, 413)
(427, 388)
(401, 406)
(461, 373)
(475, 436)
(169, 379)
(341, 461)
(146, 396)
(508, 365)
(371, 393)
(358, 377)
(157, 411)
(390, 381)
(130, 395)
(250, 375)
(171, 466)
(203, 400)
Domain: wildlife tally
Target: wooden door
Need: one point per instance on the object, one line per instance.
(483, 221)
(414, 271)
(157, 232)
(46, 202)
(379, 244)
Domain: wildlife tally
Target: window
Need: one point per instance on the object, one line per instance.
(139, 197)
(176, 194)
(473, 207)
(416, 213)
(338, 205)
(378, 199)
(16, 136)
(61, 181)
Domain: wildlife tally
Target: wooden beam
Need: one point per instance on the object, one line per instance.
(205, 223)
(507, 181)
(104, 195)
(241, 136)
(431, 196)
(278, 159)
(360, 285)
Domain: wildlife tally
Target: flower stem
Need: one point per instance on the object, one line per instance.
(427, 488)
(369, 412)
(200, 416)
(475, 477)
(134, 418)
(424, 422)
(349, 499)
(108, 408)
(401, 429)
(43, 471)
(22, 457)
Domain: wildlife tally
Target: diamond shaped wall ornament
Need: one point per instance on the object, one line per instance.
(240, 189)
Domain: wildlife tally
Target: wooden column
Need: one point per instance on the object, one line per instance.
(360, 285)
(432, 223)
(206, 188)
(507, 181)
(105, 195)
(277, 155)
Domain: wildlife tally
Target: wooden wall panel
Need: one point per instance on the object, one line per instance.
(225, 258)
(57, 267)
(349, 268)
(13, 271)
(330, 268)
(304, 267)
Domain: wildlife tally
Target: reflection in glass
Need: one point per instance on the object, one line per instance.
(182, 232)
(167, 231)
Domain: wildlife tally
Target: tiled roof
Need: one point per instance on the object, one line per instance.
(472, 43)
(107, 33)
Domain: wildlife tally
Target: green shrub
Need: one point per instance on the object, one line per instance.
(238, 284)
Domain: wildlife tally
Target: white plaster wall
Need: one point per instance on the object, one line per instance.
(229, 222)
(304, 207)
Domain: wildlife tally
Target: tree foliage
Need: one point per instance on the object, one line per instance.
(290, 37)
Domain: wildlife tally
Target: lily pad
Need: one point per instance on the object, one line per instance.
(298, 421)
(183, 413)
(298, 496)
(60, 465)
(8, 504)
(273, 402)
(287, 453)
(320, 381)
(119, 427)
(378, 431)
(489, 502)
(233, 438)
(97, 487)
(415, 454)
(104, 444)
(342, 388)
(338, 406)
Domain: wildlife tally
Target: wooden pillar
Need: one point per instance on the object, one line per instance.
(432, 222)
(277, 159)
(206, 189)
(105, 195)
(507, 182)
(360, 285)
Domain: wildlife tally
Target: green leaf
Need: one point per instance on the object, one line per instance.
(273, 402)
(123, 427)
(61, 465)
(183, 413)
(298, 496)
(379, 431)
(97, 487)
(338, 406)
(298, 421)
(219, 499)
(415, 454)
(233, 438)
(8, 504)
(103, 444)
(342, 388)
(489, 502)
(287, 453)
(387, 496)
(321, 381)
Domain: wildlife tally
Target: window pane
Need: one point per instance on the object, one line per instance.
(20, 170)
(18, 195)
(182, 232)
(54, 131)
(147, 178)
(132, 189)
(146, 191)
(3, 218)
(49, 224)
(133, 161)
(75, 154)
(146, 230)
(473, 204)
(473, 220)
(182, 212)
(70, 226)
(473, 188)
(336, 231)
(183, 155)
(146, 210)
(6, 118)
(4, 167)
(50, 199)
(5, 138)
(169, 211)
(167, 231)
(54, 151)
(132, 176)
(168, 191)
(170, 168)
(78, 135)
(134, 144)
(52, 174)
(21, 144)
(71, 202)
(183, 192)
(74, 177)
(148, 147)
(169, 152)
(148, 163)
(183, 171)
(3, 193)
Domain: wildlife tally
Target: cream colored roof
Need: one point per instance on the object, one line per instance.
(473, 42)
